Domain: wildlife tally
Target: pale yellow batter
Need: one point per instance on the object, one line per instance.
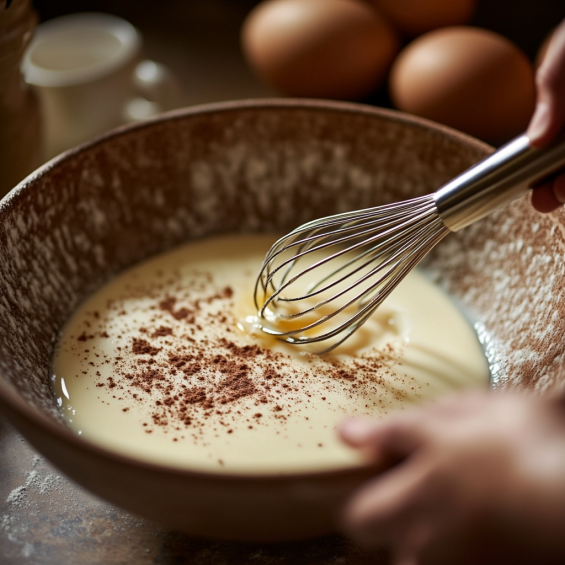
(159, 365)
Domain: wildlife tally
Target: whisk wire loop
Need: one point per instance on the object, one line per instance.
(374, 250)
(397, 267)
(381, 230)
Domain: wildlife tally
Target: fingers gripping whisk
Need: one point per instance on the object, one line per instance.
(323, 280)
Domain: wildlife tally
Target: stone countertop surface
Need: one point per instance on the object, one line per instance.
(46, 519)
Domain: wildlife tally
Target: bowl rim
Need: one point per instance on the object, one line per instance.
(12, 400)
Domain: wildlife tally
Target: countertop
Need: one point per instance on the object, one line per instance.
(45, 519)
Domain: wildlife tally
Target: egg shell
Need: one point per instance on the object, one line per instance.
(414, 17)
(468, 78)
(320, 48)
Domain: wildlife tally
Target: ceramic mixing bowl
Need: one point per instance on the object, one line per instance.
(249, 167)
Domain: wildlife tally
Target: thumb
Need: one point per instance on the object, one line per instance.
(397, 437)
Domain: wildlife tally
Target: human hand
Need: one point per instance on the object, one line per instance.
(549, 116)
(480, 479)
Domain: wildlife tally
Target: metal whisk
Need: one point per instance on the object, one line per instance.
(324, 279)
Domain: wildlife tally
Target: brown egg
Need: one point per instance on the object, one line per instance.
(413, 17)
(319, 48)
(468, 78)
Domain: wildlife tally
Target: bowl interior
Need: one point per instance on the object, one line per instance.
(86, 217)
(260, 167)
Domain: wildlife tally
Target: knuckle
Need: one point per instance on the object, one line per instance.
(545, 78)
(550, 80)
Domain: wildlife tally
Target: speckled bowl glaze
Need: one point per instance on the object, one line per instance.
(249, 166)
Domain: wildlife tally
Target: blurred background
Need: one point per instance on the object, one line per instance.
(199, 39)
(391, 53)
(399, 54)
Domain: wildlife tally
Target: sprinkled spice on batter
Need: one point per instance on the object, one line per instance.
(186, 380)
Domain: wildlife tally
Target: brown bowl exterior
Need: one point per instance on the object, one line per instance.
(247, 167)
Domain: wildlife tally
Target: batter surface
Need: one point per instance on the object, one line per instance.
(159, 365)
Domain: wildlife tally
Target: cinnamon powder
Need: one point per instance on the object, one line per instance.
(189, 368)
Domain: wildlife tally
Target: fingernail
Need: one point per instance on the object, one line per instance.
(539, 123)
(355, 430)
(559, 188)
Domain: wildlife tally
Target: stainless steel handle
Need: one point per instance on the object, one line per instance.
(497, 180)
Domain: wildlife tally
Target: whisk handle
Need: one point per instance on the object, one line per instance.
(497, 180)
